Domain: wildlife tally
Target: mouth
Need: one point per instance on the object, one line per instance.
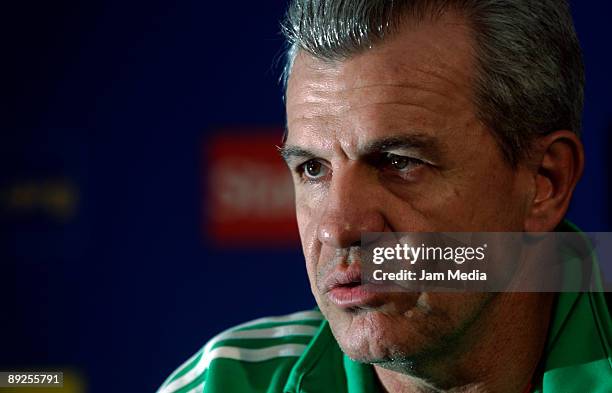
(344, 288)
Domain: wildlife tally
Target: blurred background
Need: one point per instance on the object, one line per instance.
(142, 205)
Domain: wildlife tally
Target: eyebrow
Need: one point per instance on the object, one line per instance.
(419, 141)
(290, 153)
(426, 143)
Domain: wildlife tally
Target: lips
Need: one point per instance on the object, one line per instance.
(344, 288)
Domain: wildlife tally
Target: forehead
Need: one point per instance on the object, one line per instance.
(423, 72)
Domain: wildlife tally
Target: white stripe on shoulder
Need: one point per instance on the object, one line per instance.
(234, 332)
(243, 354)
(275, 332)
(256, 355)
(197, 389)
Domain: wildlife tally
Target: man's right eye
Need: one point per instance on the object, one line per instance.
(313, 170)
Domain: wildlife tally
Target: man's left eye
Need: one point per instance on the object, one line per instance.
(401, 163)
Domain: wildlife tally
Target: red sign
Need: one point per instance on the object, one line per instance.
(249, 191)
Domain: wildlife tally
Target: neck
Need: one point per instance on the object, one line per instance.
(499, 352)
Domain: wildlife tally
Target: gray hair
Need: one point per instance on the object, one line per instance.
(530, 76)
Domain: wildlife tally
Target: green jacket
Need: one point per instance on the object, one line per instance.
(297, 353)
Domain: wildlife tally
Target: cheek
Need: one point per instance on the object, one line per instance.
(307, 225)
(457, 310)
(497, 202)
(493, 191)
(485, 198)
(425, 208)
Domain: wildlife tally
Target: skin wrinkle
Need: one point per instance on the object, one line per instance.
(399, 85)
(302, 121)
(317, 91)
(357, 108)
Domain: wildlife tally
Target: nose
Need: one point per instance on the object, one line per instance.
(353, 205)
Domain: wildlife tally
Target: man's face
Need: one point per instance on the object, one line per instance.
(388, 140)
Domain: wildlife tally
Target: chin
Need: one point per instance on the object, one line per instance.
(374, 337)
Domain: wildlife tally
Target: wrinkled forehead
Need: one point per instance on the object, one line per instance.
(428, 54)
(428, 67)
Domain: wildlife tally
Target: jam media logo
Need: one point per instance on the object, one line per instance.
(248, 197)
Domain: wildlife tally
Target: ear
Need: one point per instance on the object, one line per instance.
(558, 166)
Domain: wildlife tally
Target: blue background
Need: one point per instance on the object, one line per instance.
(112, 100)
